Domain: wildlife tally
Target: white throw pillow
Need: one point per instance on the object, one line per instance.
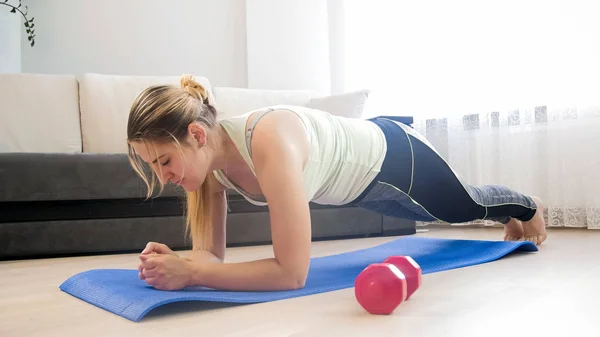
(350, 104)
(231, 102)
(39, 113)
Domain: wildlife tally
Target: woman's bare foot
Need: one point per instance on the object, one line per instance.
(513, 230)
(535, 229)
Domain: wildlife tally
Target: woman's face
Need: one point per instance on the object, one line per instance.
(186, 166)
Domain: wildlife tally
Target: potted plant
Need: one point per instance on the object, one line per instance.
(28, 22)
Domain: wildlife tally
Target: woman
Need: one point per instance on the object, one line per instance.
(284, 157)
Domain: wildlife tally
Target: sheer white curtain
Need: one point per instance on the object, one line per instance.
(509, 91)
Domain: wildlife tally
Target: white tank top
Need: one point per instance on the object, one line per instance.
(345, 154)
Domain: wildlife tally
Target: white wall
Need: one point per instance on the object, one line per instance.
(261, 44)
(10, 40)
(140, 37)
(288, 44)
(335, 13)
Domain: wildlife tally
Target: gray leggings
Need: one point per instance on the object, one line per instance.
(416, 183)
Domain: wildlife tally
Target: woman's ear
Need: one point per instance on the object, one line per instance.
(198, 134)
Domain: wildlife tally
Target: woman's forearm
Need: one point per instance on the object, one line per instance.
(260, 275)
(203, 256)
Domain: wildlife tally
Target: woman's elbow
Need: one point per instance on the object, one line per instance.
(293, 275)
(296, 281)
(299, 283)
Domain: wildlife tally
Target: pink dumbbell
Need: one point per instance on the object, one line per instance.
(381, 287)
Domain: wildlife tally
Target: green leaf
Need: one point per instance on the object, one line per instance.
(29, 38)
(13, 10)
(32, 43)
(26, 24)
(32, 19)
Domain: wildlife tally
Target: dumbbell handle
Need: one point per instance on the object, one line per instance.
(411, 269)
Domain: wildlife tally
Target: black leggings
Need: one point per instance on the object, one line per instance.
(415, 182)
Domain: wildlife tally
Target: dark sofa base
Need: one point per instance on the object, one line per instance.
(79, 204)
(56, 238)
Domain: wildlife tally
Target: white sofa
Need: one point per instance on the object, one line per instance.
(68, 187)
(89, 113)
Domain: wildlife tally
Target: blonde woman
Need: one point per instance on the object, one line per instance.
(283, 157)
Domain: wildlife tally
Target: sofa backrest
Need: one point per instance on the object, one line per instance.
(105, 102)
(39, 113)
(67, 114)
(232, 102)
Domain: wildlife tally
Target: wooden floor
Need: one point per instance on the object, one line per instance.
(556, 290)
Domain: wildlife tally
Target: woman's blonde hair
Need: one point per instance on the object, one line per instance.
(161, 114)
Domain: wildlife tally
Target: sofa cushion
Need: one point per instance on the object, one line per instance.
(349, 104)
(39, 113)
(105, 104)
(232, 102)
(65, 176)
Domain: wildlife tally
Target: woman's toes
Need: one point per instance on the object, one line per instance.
(537, 239)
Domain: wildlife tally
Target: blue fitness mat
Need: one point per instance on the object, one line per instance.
(123, 293)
